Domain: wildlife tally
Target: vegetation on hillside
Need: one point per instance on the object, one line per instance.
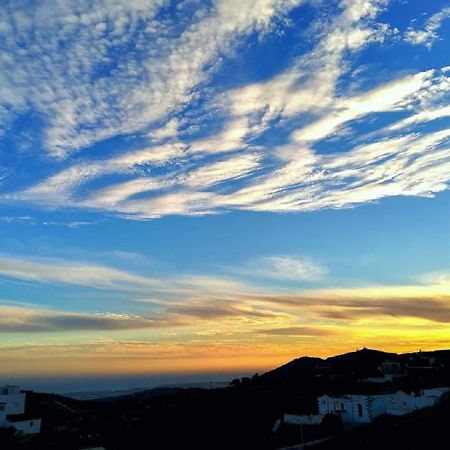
(242, 415)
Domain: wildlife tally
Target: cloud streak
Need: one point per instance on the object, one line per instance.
(207, 148)
(298, 331)
(188, 300)
(84, 93)
(62, 272)
(26, 320)
(429, 34)
(285, 268)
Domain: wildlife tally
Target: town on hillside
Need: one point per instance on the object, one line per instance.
(349, 401)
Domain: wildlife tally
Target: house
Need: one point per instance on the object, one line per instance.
(390, 367)
(358, 409)
(12, 411)
(422, 364)
(355, 408)
(389, 371)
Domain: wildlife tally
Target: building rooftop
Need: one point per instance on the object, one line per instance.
(20, 417)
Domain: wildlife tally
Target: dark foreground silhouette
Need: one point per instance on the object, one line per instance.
(242, 415)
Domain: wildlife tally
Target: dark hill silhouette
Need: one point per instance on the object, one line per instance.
(240, 416)
(361, 363)
(300, 367)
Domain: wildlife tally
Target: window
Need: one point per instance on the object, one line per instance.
(360, 410)
(31, 423)
(342, 407)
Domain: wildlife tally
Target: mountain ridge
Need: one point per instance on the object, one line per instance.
(363, 363)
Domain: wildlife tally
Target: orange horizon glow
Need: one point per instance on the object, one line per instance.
(268, 358)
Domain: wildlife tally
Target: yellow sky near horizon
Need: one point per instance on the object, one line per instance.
(228, 349)
(221, 325)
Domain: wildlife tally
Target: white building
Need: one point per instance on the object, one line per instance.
(427, 397)
(354, 409)
(12, 411)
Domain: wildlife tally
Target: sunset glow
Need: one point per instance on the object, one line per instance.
(221, 186)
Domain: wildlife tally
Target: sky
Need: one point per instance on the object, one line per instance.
(219, 186)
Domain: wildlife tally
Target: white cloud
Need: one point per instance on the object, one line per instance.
(60, 187)
(50, 58)
(191, 301)
(59, 61)
(286, 267)
(427, 115)
(193, 166)
(382, 99)
(58, 271)
(80, 273)
(14, 319)
(223, 170)
(429, 34)
(308, 86)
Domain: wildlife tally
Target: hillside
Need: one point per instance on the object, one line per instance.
(359, 363)
(240, 416)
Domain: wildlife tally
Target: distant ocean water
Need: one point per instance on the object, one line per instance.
(96, 386)
(90, 395)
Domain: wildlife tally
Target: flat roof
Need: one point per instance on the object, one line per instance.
(20, 417)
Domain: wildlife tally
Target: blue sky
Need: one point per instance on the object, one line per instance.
(268, 170)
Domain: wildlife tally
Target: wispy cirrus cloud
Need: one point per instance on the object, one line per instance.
(58, 271)
(84, 93)
(298, 331)
(187, 299)
(426, 301)
(284, 267)
(423, 116)
(384, 98)
(144, 109)
(16, 219)
(28, 320)
(150, 84)
(157, 291)
(429, 34)
(191, 168)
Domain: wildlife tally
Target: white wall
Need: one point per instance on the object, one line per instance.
(347, 410)
(28, 426)
(342, 406)
(347, 407)
(326, 404)
(423, 402)
(365, 416)
(399, 403)
(12, 401)
(2, 416)
(15, 403)
(4, 390)
(380, 404)
(436, 392)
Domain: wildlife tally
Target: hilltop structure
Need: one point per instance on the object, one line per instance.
(354, 409)
(12, 411)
